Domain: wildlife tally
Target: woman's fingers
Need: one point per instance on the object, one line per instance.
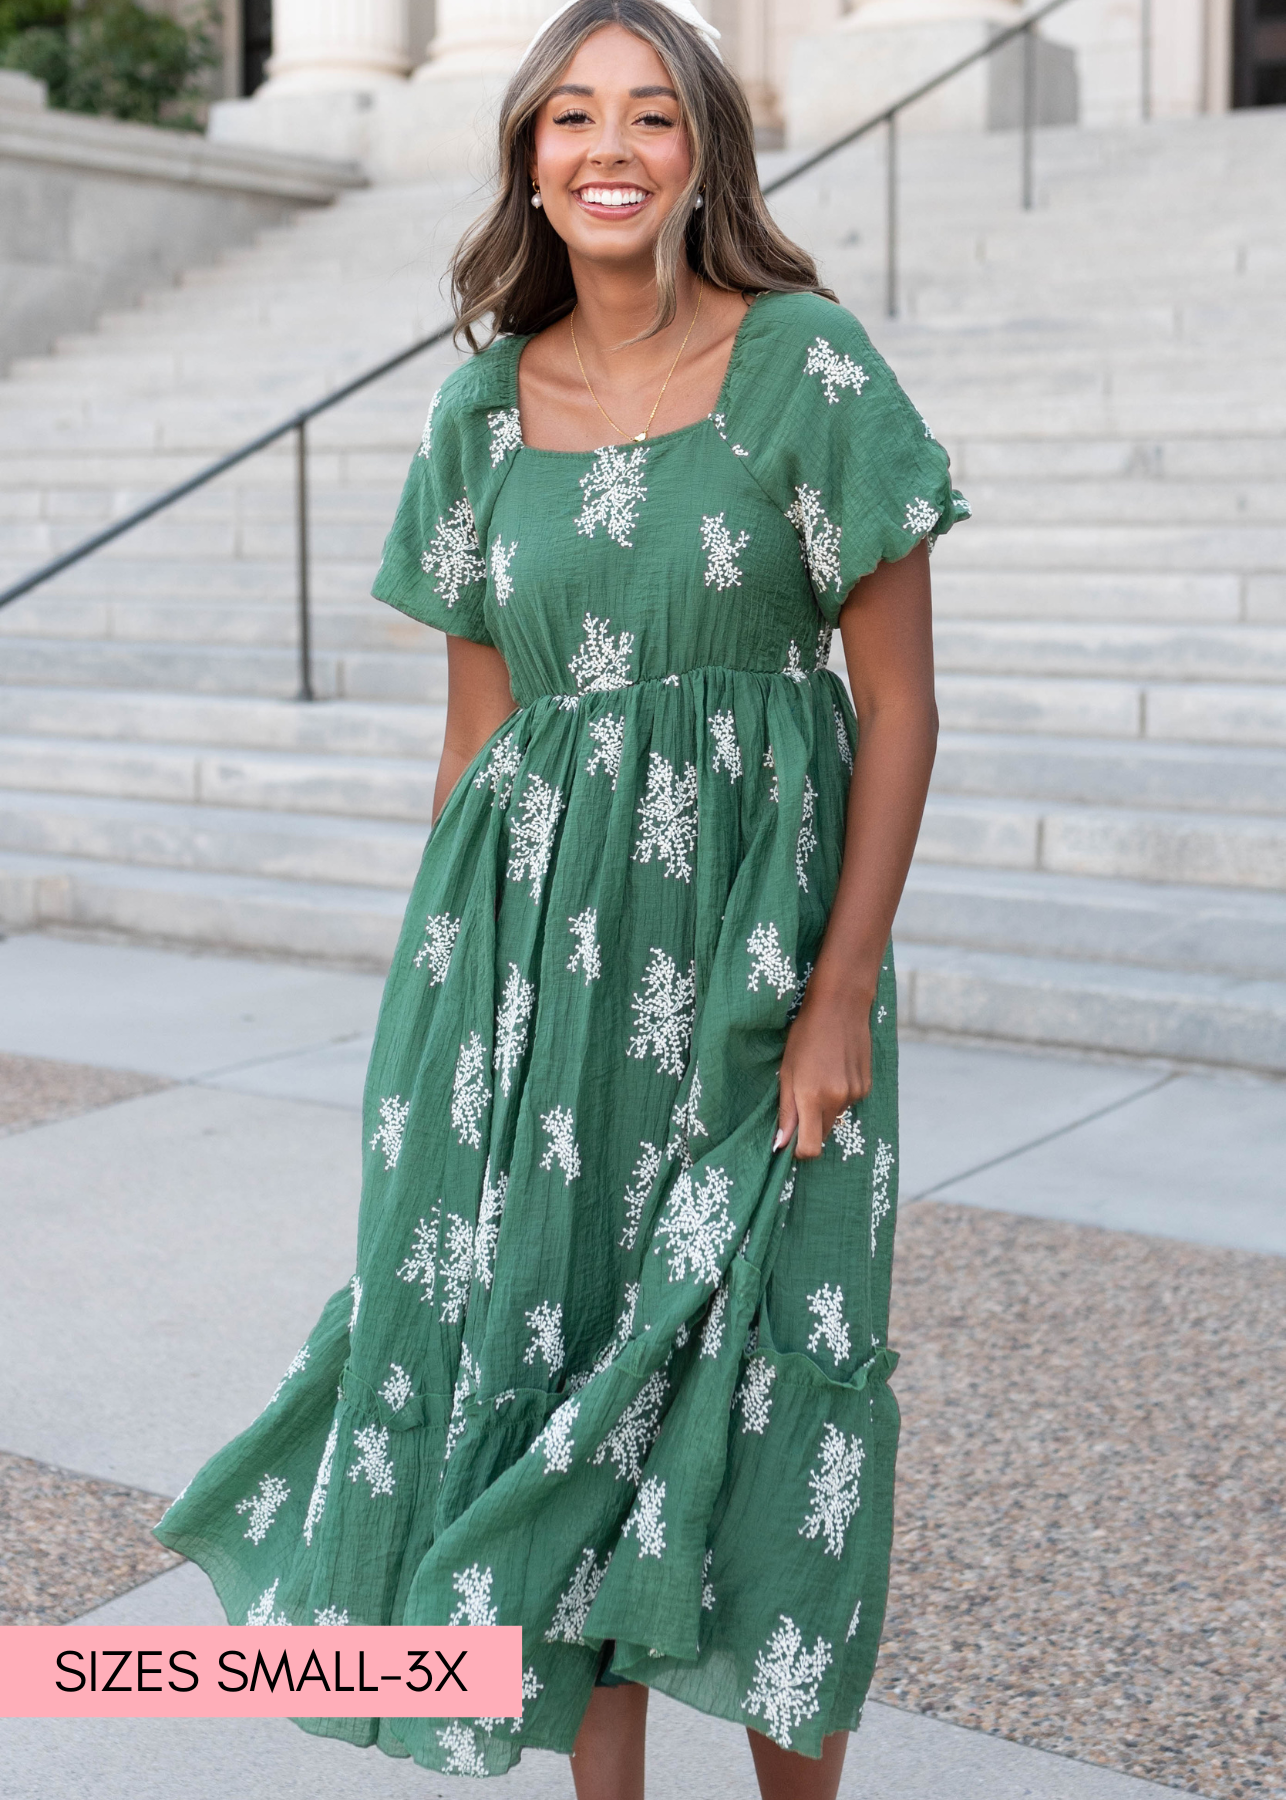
(787, 1117)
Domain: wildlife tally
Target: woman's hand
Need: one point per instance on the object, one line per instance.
(825, 1067)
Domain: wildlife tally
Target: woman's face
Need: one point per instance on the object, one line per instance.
(611, 151)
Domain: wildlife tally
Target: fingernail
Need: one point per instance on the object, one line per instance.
(779, 1140)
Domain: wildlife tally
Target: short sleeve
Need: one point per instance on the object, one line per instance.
(848, 458)
(434, 566)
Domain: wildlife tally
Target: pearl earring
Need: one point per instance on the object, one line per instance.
(698, 202)
(536, 200)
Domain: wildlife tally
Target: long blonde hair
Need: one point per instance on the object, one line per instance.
(512, 266)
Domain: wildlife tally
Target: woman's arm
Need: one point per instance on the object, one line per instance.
(478, 700)
(887, 630)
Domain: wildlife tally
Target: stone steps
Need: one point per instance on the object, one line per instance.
(1103, 861)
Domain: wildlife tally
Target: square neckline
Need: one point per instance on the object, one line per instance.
(521, 342)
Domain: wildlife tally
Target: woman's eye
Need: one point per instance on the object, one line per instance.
(655, 119)
(575, 117)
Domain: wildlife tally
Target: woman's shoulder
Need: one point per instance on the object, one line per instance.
(480, 384)
(797, 320)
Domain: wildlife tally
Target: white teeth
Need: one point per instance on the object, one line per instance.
(614, 196)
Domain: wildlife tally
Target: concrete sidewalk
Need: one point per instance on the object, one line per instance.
(135, 1233)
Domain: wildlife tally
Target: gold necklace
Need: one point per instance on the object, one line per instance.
(637, 437)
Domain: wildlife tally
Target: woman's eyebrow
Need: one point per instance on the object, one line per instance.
(638, 93)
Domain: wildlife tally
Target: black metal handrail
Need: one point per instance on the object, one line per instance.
(298, 421)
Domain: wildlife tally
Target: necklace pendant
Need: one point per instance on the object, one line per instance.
(640, 437)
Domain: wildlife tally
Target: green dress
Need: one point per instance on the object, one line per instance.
(610, 1368)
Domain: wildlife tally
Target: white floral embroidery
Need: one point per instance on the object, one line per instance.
(621, 1336)
(834, 1479)
(755, 1395)
(586, 956)
(645, 1521)
(807, 841)
(317, 1500)
(474, 1588)
(769, 962)
(841, 739)
(721, 426)
(854, 1622)
(727, 751)
(686, 1123)
(645, 1173)
(825, 633)
(468, 1380)
(456, 1269)
(722, 550)
(388, 1133)
(506, 433)
(502, 765)
(374, 1461)
(426, 440)
(609, 735)
(697, 1226)
(263, 1507)
(422, 1263)
(490, 1208)
(545, 1322)
(261, 1613)
(920, 516)
(355, 1289)
(505, 1398)
(774, 792)
(398, 1387)
(635, 1432)
(572, 1610)
(567, 702)
(668, 811)
(460, 1743)
(707, 1589)
(787, 1677)
(454, 558)
(562, 1147)
(716, 1319)
(555, 1441)
(602, 663)
(827, 1307)
(531, 839)
(614, 490)
(801, 988)
(787, 1193)
(664, 1011)
(881, 1201)
(681, 1334)
(470, 1094)
(848, 1134)
(330, 1615)
(837, 372)
(819, 539)
(794, 667)
(297, 1362)
(440, 933)
(512, 1018)
(502, 556)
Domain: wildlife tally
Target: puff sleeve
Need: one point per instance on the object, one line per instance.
(852, 463)
(434, 566)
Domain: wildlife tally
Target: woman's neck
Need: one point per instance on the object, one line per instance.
(614, 306)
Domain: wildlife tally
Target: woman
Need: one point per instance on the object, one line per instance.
(613, 1363)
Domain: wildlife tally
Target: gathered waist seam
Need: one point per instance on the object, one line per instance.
(562, 695)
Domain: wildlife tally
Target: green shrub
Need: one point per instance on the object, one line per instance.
(109, 56)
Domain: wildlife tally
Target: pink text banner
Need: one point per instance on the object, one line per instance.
(255, 1672)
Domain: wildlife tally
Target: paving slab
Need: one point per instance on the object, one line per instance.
(688, 1754)
(165, 1012)
(1201, 1157)
(964, 1106)
(165, 1258)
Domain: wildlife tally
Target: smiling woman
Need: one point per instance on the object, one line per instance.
(613, 1364)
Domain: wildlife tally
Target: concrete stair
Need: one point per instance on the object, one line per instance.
(1103, 859)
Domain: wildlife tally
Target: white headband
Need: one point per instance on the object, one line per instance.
(682, 9)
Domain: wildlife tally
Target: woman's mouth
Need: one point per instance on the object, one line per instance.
(611, 202)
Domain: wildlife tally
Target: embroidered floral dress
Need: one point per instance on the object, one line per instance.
(610, 1368)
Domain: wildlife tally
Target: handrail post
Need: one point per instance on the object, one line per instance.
(1029, 113)
(301, 524)
(1145, 59)
(891, 221)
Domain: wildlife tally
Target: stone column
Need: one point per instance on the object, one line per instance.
(348, 46)
(481, 37)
